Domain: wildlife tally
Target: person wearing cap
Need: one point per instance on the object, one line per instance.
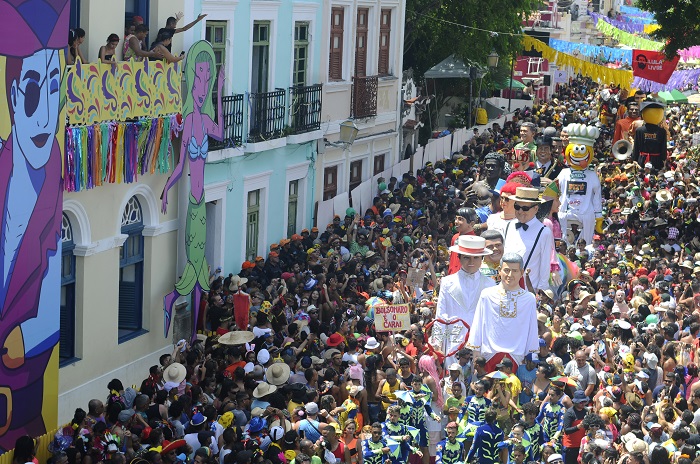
(310, 426)
(650, 139)
(487, 438)
(465, 220)
(527, 373)
(572, 426)
(529, 238)
(449, 450)
(500, 219)
(505, 319)
(459, 294)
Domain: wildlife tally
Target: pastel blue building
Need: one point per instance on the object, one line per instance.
(259, 181)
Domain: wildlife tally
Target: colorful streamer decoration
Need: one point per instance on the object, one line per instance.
(118, 152)
(634, 11)
(627, 26)
(596, 72)
(626, 38)
(690, 53)
(679, 80)
(609, 54)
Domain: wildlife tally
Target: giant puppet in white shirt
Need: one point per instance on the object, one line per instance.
(581, 198)
(458, 296)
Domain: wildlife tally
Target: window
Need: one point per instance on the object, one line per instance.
(330, 182)
(292, 208)
(335, 65)
(216, 36)
(361, 42)
(261, 56)
(66, 350)
(301, 52)
(355, 174)
(131, 273)
(74, 21)
(384, 40)
(253, 225)
(378, 165)
(138, 8)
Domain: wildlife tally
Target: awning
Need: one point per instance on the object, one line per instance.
(673, 97)
(508, 83)
(453, 68)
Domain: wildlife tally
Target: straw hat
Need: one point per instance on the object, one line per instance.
(278, 373)
(663, 195)
(236, 281)
(263, 389)
(237, 337)
(471, 245)
(527, 195)
(175, 373)
(688, 265)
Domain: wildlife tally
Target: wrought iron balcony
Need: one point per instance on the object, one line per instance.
(232, 107)
(305, 108)
(268, 114)
(364, 97)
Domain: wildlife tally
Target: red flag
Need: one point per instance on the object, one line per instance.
(653, 66)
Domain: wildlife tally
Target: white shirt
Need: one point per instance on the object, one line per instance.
(505, 322)
(521, 241)
(580, 192)
(496, 222)
(459, 294)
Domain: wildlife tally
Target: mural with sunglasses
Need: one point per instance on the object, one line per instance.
(32, 57)
(98, 92)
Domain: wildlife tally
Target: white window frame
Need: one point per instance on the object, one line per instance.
(366, 158)
(372, 37)
(218, 10)
(349, 18)
(217, 192)
(298, 172)
(342, 186)
(306, 12)
(260, 181)
(266, 10)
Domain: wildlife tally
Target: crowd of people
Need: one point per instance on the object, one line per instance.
(540, 331)
(135, 42)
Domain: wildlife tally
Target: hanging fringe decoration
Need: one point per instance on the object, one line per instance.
(117, 152)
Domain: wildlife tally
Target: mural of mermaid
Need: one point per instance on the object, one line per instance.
(199, 125)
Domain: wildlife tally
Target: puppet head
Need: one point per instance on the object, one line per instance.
(653, 112)
(579, 151)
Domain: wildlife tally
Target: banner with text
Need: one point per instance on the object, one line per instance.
(392, 318)
(653, 65)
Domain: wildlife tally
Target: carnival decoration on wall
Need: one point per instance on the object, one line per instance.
(592, 51)
(199, 124)
(32, 58)
(98, 92)
(562, 60)
(626, 38)
(118, 152)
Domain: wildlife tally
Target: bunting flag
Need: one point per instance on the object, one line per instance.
(653, 66)
(609, 54)
(634, 11)
(626, 38)
(117, 152)
(679, 80)
(690, 53)
(627, 26)
(649, 28)
(596, 72)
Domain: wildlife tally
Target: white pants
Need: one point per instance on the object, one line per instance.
(587, 221)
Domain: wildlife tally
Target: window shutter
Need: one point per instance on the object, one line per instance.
(67, 325)
(384, 41)
(335, 62)
(361, 42)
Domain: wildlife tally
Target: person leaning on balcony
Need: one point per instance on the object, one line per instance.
(132, 48)
(107, 52)
(75, 38)
(161, 47)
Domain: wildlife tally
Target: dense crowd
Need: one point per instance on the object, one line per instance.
(289, 367)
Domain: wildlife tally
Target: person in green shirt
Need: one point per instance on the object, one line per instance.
(457, 398)
(524, 151)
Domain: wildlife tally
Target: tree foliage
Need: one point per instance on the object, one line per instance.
(679, 21)
(434, 30)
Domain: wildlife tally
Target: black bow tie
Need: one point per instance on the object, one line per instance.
(524, 226)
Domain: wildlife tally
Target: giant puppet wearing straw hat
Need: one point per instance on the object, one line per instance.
(33, 39)
(580, 188)
(459, 293)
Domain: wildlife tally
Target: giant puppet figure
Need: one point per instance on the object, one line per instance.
(579, 184)
(199, 125)
(32, 45)
(650, 138)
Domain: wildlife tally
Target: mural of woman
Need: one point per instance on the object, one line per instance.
(198, 126)
(30, 214)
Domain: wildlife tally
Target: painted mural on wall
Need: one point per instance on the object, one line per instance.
(98, 92)
(32, 47)
(198, 125)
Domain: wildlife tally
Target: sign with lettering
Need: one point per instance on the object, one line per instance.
(576, 188)
(415, 277)
(652, 65)
(392, 318)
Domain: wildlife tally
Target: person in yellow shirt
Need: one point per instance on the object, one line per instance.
(386, 391)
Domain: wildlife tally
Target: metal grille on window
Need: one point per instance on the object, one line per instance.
(292, 208)
(253, 224)
(132, 213)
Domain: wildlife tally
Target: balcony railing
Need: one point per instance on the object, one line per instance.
(305, 108)
(364, 96)
(232, 107)
(268, 113)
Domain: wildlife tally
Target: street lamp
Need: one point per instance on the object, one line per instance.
(492, 59)
(348, 132)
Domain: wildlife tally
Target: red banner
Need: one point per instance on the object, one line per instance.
(653, 66)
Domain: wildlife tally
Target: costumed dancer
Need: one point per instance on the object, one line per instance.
(551, 415)
(376, 450)
(580, 188)
(650, 140)
(450, 450)
(505, 320)
(421, 406)
(487, 439)
(395, 430)
(459, 294)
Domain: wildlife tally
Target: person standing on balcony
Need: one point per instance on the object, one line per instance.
(133, 44)
(199, 125)
(107, 52)
(162, 46)
(171, 25)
